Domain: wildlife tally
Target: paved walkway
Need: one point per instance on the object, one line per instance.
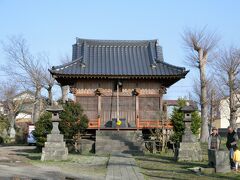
(123, 167)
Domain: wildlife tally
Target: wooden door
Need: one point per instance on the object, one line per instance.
(127, 110)
(149, 108)
(89, 105)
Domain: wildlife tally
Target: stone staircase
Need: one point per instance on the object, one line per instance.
(114, 142)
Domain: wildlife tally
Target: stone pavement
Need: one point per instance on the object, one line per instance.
(123, 167)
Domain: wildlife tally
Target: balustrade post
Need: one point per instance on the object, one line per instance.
(98, 123)
(137, 122)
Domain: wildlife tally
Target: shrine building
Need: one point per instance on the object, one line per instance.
(121, 80)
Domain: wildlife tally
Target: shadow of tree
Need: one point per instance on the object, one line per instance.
(31, 154)
(165, 167)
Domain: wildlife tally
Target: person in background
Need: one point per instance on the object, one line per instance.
(231, 143)
(214, 140)
(236, 157)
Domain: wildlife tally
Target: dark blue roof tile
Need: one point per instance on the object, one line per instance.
(118, 58)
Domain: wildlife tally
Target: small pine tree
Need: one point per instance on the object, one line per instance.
(178, 124)
(73, 121)
(42, 127)
(4, 123)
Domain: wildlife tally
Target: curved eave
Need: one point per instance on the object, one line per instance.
(105, 76)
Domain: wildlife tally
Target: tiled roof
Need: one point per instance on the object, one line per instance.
(175, 103)
(143, 58)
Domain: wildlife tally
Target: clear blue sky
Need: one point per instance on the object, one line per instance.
(51, 26)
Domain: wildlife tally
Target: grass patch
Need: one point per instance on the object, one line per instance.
(75, 164)
(88, 164)
(163, 166)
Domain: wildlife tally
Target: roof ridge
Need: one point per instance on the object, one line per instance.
(115, 40)
(66, 64)
(173, 66)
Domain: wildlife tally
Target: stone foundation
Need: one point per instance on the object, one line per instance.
(87, 146)
(113, 141)
(55, 148)
(190, 151)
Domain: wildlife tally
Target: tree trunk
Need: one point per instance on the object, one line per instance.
(64, 93)
(12, 119)
(211, 111)
(232, 104)
(203, 98)
(50, 96)
(36, 106)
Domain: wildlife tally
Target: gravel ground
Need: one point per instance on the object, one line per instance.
(18, 163)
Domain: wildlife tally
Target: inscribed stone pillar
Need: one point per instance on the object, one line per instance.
(190, 149)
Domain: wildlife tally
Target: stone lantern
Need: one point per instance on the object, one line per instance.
(55, 147)
(190, 149)
(188, 135)
(55, 110)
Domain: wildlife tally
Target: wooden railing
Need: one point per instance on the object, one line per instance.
(94, 123)
(154, 124)
(140, 124)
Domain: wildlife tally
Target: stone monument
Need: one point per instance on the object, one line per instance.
(55, 148)
(219, 160)
(190, 149)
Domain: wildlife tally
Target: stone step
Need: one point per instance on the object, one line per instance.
(118, 133)
(108, 142)
(55, 144)
(105, 149)
(109, 146)
(117, 143)
(119, 139)
(114, 151)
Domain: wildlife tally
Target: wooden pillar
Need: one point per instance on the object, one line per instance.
(161, 103)
(99, 111)
(137, 111)
(64, 93)
(99, 105)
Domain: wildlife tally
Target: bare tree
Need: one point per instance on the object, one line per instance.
(200, 44)
(228, 68)
(48, 80)
(65, 59)
(213, 97)
(8, 91)
(64, 88)
(49, 83)
(214, 101)
(24, 68)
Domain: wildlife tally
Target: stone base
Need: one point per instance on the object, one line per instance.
(87, 146)
(219, 160)
(113, 142)
(189, 151)
(55, 148)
